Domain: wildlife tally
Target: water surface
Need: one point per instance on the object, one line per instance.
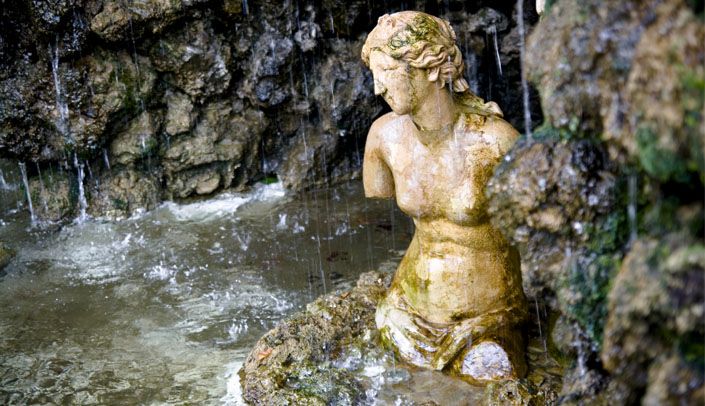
(164, 306)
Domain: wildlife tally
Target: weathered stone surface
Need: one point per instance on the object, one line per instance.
(119, 21)
(601, 66)
(195, 59)
(180, 114)
(656, 308)
(124, 191)
(137, 141)
(303, 342)
(546, 197)
(54, 195)
(666, 137)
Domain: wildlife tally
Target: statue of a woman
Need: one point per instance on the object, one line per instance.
(456, 302)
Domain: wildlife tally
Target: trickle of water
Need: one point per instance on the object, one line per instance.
(106, 159)
(23, 170)
(631, 208)
(245, 8)
(61, 104)
(3, 184)
(42, 192)
(493, 29)
(82, 202)
(522, 58)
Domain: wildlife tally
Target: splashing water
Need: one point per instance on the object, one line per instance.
(163, 307)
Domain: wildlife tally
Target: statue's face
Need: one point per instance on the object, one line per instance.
(397, 82)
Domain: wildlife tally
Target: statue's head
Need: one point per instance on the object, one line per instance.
(422, 41)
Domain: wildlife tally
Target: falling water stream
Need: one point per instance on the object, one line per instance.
(164, 306)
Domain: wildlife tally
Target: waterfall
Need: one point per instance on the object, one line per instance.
(23, 170)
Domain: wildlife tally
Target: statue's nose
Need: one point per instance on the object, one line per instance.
(379, 88)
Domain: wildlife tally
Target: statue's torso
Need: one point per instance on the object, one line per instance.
(457, 265)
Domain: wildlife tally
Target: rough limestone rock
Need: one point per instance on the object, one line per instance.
(615, 60)
(118, 21)
(137, 141)
(180, 114)
(666, 137)
(656, 309)
(224, 141)
(546, 196)
(124, 192)
(195, 60)
(54, 194)
(301, 343)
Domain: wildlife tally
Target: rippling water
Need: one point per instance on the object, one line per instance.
(163, 307)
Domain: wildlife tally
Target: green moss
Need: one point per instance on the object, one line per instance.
(659, 163)
(269, 179)
(120, 204)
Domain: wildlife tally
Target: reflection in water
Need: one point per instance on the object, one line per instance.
(163, 307)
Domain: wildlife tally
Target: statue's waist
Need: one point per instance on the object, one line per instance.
(434, 235)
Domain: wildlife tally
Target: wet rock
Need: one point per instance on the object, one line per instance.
(115, 87)
(576, 43)
(656, 308)
(54, 194)
(666, 136)
(27, 128)
(180, 114)
(346, 105)
(601, 67)
(195, 59)
(671, 380)
(226, 139)
(305, 340)
(546, 196)
(6, 255)
(264, 84)
(137, 141)
(122, 192)
(120, 21)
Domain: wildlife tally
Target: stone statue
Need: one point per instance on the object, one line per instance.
(456, 302)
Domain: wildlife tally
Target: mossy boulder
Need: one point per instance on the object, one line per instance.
(656, 310)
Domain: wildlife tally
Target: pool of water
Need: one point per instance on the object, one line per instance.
(163, 307)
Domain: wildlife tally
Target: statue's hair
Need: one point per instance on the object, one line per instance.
(421, 40)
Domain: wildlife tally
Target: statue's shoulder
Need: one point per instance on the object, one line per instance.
(502, 132)
(493, 127)
(387, 122)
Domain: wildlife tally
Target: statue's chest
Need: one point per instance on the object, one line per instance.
(432, 183)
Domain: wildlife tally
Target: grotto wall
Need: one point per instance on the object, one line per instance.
(605, 201)
(156, 99)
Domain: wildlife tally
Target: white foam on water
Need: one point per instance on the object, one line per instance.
(225, 203)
